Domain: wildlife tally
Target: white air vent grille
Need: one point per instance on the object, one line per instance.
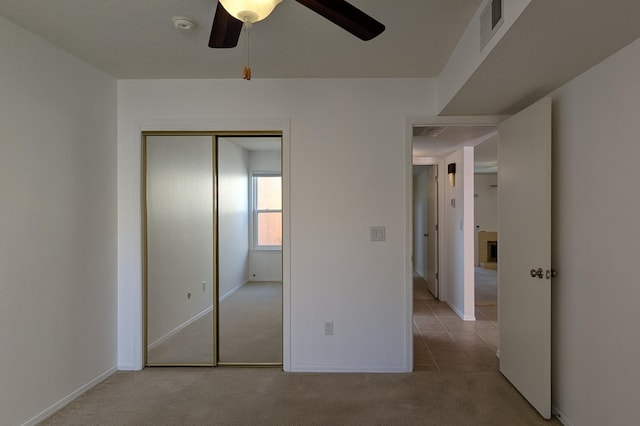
(490, 21)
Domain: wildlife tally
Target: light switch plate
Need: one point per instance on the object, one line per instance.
(377, 233)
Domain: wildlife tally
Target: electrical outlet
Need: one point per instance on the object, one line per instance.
(188, 295)
(328, 328)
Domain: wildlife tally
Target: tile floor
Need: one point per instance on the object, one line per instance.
(444, 342)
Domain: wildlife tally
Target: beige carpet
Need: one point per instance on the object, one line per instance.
(267, 396)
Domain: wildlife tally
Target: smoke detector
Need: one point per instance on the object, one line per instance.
(183, 23)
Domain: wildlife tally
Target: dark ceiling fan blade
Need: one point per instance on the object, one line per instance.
(225, 31)
(346, 16)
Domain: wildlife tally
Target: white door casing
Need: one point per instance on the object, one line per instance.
(524, 244)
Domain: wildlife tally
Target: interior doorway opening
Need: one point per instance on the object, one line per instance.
(486, 227)
(425, 226)
(451, 147)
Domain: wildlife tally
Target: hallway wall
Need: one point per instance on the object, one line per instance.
(459, 235)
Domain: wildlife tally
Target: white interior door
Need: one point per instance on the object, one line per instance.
(524, 244)
(432, 233)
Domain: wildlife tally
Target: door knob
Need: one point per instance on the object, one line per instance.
(537, 273)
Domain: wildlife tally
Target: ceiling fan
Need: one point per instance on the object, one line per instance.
(232, 15)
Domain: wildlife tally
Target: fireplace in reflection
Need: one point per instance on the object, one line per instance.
(488, 249)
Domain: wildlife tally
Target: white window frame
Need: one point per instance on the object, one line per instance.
(254, 210)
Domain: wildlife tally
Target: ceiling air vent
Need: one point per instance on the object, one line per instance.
(428, 131)
(490, 20)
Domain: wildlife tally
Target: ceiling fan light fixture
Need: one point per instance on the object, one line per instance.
(249, 10)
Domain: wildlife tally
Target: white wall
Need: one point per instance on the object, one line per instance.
(350, 169)
(58, 225)
(459, 235)
(596, 243)
(233, 217)
(265, 265)
(485, 205)
(265, 161)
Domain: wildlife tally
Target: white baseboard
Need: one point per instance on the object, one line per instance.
(69, 398)
(347, 369)
(563, 419)
(179, 328)
(129, 367)
(460, 313)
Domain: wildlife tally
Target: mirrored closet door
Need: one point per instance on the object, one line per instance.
(250, 250)
(213, 253)
(180, 242)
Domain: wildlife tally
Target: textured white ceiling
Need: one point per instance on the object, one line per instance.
(136, 38)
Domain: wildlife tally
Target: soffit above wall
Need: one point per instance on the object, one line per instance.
(550, 43)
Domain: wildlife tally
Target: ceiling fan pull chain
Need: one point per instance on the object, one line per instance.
(246, 69)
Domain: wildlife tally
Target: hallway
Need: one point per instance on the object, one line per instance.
(444, 342)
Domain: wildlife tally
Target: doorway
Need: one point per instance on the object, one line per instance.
(425, 226)
(450, 145)
(203, 302)
(486, 227)
(524, 329)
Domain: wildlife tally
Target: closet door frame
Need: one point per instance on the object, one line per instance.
(285, 255)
